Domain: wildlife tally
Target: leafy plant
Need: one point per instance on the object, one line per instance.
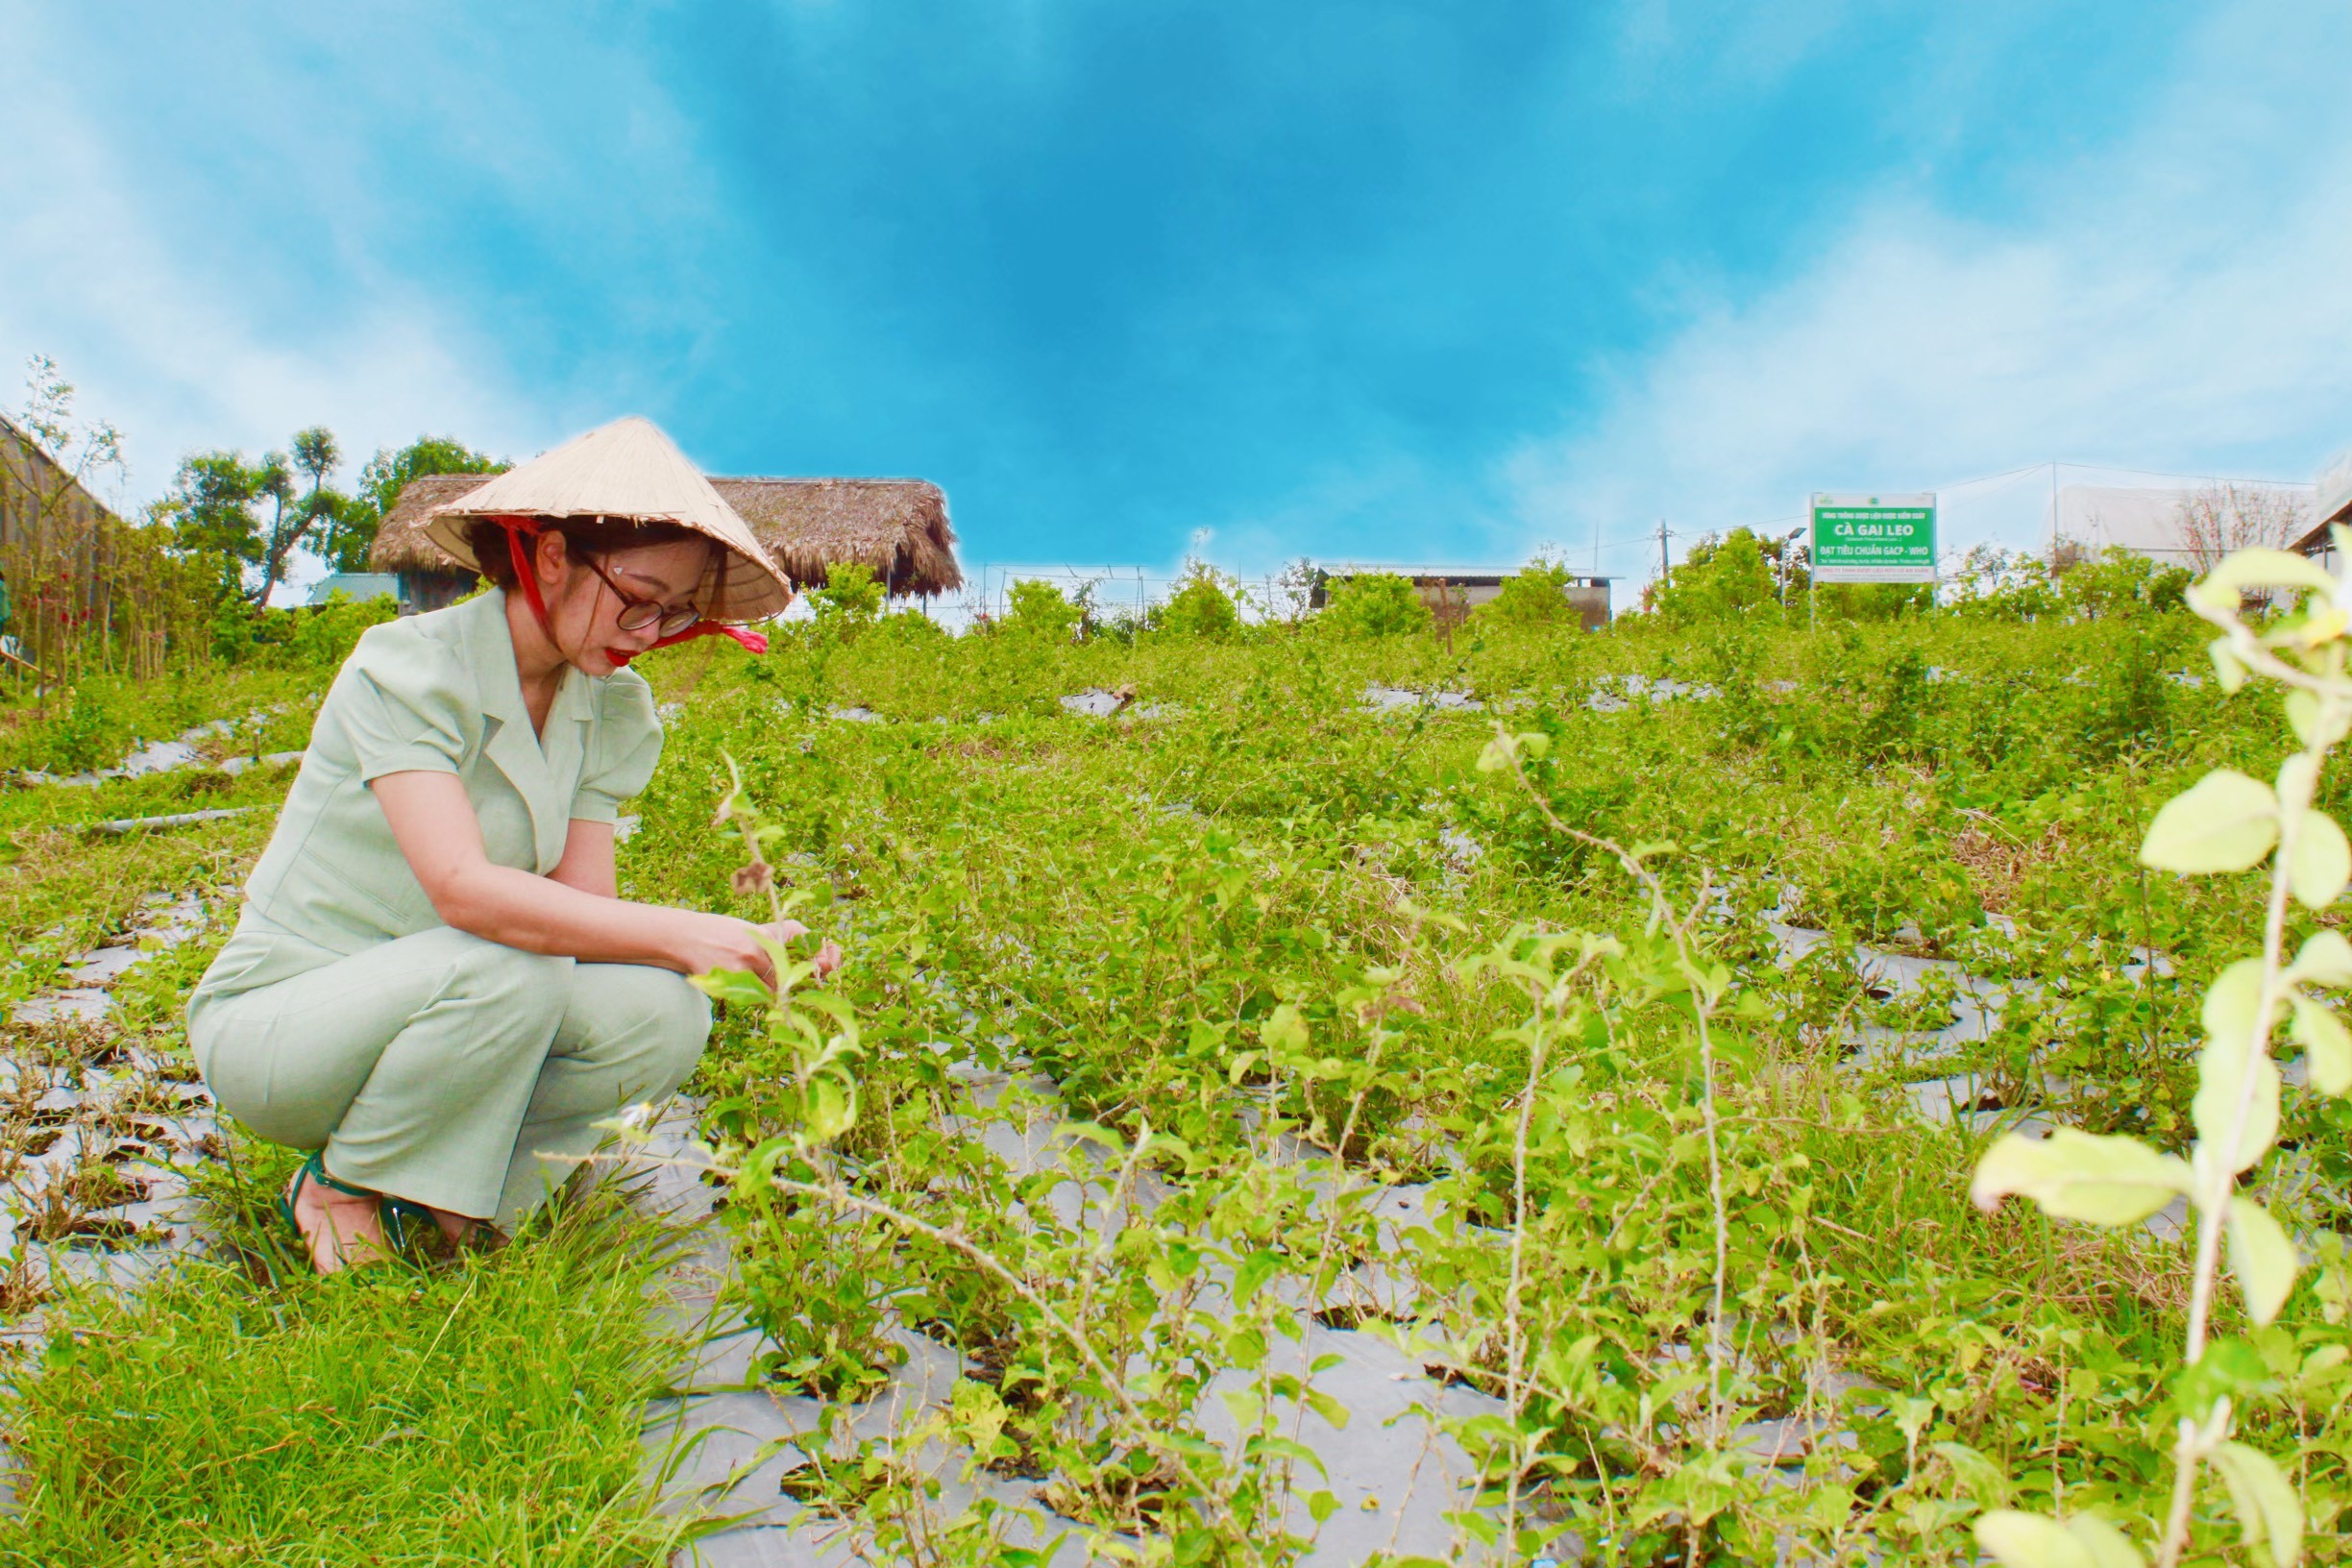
(1202, 605)
(1374, 604)
(1039, 607)
(2228, 823)
(851, 593)
(1716, 578)
(1533, 596)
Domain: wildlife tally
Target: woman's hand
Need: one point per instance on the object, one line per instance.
(699, 944)
(829, 956)
(703, 942)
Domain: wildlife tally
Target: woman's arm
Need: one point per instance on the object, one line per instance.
(434, 824)
(587, 862)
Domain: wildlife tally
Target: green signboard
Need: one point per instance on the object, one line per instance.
(1873, 538)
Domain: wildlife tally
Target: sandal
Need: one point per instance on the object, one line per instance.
(400, 1218)
(405, 1223)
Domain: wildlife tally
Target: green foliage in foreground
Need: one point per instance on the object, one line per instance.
(2227, 824)
(484, 1410)
(1274, 945)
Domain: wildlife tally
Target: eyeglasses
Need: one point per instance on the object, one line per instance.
(637, 614)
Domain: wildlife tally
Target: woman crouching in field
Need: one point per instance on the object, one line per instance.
(433, 982)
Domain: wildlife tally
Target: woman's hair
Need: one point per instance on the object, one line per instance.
(585, 536)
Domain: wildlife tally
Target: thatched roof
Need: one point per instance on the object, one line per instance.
(400, 542)
(898, 527)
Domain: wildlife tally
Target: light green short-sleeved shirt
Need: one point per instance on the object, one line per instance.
(436, 693)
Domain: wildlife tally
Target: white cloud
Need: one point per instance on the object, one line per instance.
(180, 363)
(227, 293)
(2180, 302)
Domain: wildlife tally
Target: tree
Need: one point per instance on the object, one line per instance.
(215, 503)
(210, 508)
(2123, 583)
(1992, 583)
(1790, 563)
(1718, 579)
(1376, 604)
(1293, 597)
(33, 491)
(351, 535)
(57, 542)
(2218, 519)
(291, 521)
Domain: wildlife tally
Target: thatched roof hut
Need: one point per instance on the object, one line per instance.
(898, 527)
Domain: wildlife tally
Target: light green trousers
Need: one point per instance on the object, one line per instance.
(447, 1069)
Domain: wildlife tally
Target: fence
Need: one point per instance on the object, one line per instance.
(87, 591)
(1116, 591)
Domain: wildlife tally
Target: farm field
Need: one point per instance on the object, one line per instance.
(1262, 1120)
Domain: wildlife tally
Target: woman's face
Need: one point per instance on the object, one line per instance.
(587, 612)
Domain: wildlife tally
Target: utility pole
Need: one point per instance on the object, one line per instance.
(2051, 553)
(1663, 566)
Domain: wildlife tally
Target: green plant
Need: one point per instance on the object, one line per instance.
(1718, 578)
(852, 593)
(2228, 823)
(1039, 608)
(351, 529)
(2123, 583)
(1534, 595)
(84, 736)
(1204, 1036)
(1374, 604)
(323, 638)
(1202, 605)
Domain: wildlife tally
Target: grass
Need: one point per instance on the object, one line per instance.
(242, 1412)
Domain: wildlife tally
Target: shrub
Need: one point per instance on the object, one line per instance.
(1720, 579)
(87, 733)
(1867, 601)
(1202, 605)
(911, 626)
(1530, 597)
(324, 637)
(851, 593)
(1039, 609)
(1378, 604)
(2121, 584)
(1996, 584)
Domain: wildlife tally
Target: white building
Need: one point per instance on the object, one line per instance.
(2332, 505)
(2183, 526)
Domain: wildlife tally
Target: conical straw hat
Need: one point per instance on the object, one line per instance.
(626, 469)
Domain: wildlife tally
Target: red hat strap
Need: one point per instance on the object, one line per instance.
(517, 527)
(750, 639)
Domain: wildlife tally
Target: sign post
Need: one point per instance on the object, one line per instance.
(1872, 539)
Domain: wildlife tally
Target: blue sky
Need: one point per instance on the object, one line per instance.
(1431, 282)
